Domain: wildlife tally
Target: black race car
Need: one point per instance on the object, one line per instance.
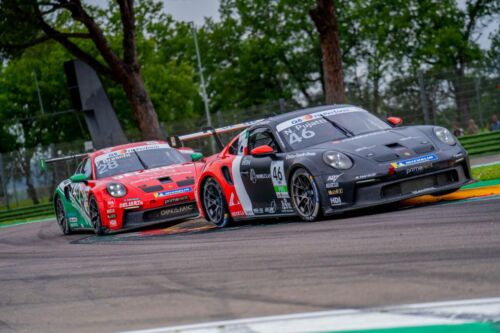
(327, 160)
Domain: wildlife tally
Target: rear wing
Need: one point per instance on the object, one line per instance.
(178, 141)
(44, 163)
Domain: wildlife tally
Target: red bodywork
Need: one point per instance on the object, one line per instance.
(213, 168)
(140, 197)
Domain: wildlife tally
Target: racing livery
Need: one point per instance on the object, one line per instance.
(327, 160)
(128, 186)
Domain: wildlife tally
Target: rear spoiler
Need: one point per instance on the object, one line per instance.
(44, 163)
(178, 141)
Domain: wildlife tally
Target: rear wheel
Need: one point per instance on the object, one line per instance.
(305, 195)
(215, 205)
(95, 216)
(62, 220)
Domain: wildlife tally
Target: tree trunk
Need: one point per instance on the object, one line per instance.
(142, 107)
(325, 20)
(463, 114)
(26, 168)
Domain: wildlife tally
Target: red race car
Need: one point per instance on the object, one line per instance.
(128, 186)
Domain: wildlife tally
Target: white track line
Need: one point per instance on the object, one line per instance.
(439, 313)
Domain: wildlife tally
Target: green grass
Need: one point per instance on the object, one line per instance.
(488, 172)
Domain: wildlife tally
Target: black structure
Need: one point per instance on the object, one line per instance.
(88, 95)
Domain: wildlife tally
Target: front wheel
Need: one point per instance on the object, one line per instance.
(305, 195)
(215, 205)
(95, 216)
(62, 220)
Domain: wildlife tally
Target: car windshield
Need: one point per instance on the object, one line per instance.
(330, 125)
(136, 159)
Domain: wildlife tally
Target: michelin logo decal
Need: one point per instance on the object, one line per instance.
(416, 160)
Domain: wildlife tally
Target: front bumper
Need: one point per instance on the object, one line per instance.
(358, 194)
(135, 219)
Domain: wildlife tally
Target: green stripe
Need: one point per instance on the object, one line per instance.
(483, 183)
(453, 328)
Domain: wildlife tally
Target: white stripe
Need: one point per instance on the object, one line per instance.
(245, 201)
(442, 313)
(485, 164)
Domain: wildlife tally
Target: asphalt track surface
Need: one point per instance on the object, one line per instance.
(80, 283)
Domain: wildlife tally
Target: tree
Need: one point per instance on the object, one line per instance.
(25, 23)
(445, 39)
(325, 18)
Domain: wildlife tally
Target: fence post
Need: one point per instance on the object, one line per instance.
(423, 97)
(478, 101)
(4, 186)
(282, 105)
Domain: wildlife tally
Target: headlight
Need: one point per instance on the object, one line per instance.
(337, 160)
(116, 190)
(444, 135)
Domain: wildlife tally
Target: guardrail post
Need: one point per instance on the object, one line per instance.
(2, 179)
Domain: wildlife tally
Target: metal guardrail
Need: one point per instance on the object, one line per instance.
(485, 143)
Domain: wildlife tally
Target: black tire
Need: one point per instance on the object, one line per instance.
(95, 216)
(62, 219)
(306, 199)
(214, 204)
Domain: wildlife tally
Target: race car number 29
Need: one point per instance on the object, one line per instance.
(279, 180)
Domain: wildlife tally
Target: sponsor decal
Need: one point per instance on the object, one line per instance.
(297, 155)
(73, 219)
(256, 176)
(110, 211)
(278, 178)
(127, 204)
(271, 209)
(417, 169)
(173, 192)
(286, 206)
(176, 210)
(231, 200)
(317, 115)
(331, 185)
(128, 151)
(176, 200)
(245, 161)
(113, 223)
(111, 216)
(414, 161)
(238, 213)
(132, 199)
(333, 178)
(336, 191)
(258, 210)
(111, 203)
(335, 201)
(370, 175)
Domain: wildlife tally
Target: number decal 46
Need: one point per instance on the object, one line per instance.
(279, 180)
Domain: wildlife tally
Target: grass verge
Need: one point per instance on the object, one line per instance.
(488, 172)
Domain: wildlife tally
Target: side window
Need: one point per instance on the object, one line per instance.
(87, 169)
(79, 168)
(233, 149)
(260, 137)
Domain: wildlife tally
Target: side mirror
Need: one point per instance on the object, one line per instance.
(395, 121)
(262, 150)
(78, 178)
(196, 156)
